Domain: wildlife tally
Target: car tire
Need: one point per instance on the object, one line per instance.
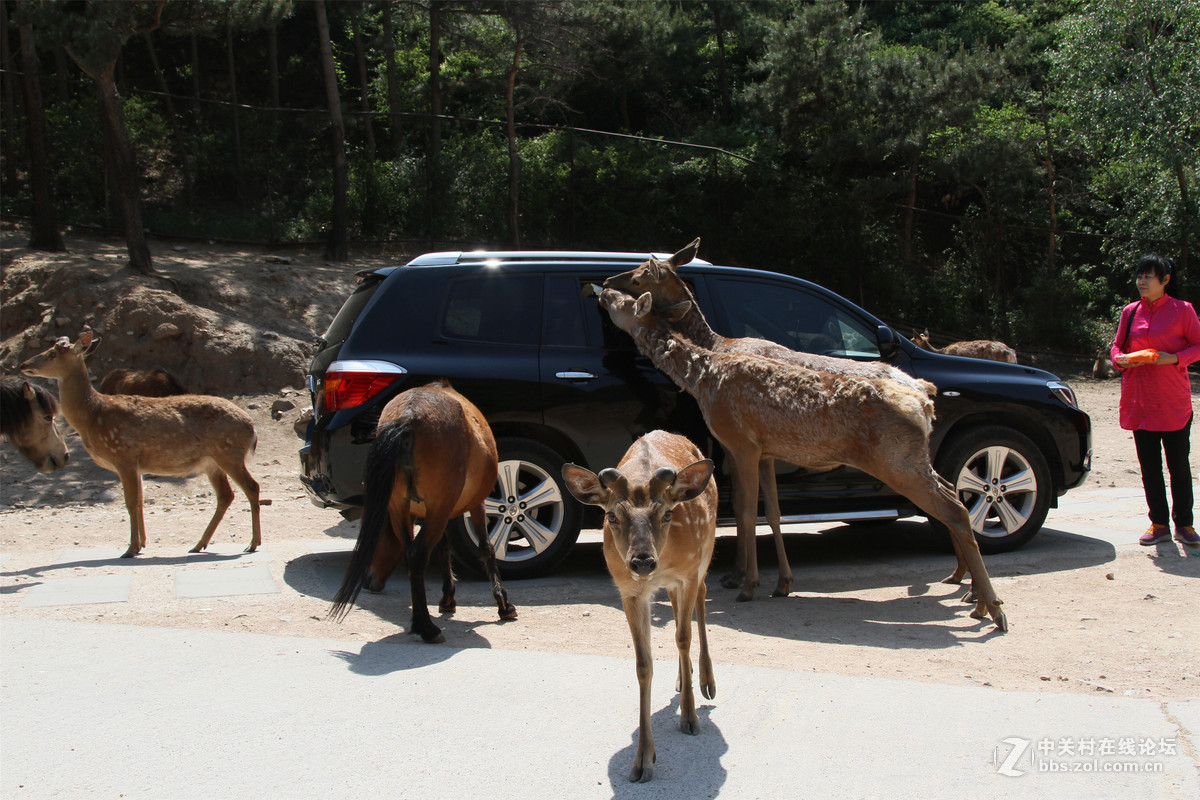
(1002, 479)
(532, 521)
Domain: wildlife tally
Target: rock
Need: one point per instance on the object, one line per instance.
(165, 331)
(280, 406)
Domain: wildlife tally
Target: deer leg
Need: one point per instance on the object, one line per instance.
(682, 602)
(734, 579)
(241, 476)
(224, 495)
(131, 484)
(708, 681)
(418, 560)
(637, 614)
(960, 569)
(745, 509)
(487, 554)
(770, 493)
(934, 499)
(447, 605)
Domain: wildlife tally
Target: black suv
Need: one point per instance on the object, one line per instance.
(522, 336)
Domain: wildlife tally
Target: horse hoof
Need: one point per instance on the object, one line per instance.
(447, 608)
(510, 612)
(433, 637)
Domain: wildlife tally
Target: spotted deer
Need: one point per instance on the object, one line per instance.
(976, 348)
(661, 279)
(175, 436)
(660, 518)
(758, 407)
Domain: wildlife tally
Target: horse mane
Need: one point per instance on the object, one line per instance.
(15, 412)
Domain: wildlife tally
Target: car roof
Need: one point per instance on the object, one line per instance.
(498, 257)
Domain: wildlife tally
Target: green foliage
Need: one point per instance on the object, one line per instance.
(913, 156)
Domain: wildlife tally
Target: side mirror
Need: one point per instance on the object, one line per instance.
(888, 347)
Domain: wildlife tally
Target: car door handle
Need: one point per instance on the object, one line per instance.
(575, 376)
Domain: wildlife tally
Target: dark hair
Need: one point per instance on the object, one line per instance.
(1161, 266)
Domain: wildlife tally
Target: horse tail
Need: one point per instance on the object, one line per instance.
(390, 456)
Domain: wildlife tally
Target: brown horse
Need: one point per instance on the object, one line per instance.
(433, 458)
(27, 415)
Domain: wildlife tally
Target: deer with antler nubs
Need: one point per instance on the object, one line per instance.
(660, 524)
(132, 436)
(661, 280)
(758, 407)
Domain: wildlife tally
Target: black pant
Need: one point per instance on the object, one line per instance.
(1177, 445)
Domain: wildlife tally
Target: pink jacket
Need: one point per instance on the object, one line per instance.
(1157, 397)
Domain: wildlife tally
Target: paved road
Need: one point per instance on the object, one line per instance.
(103, 710)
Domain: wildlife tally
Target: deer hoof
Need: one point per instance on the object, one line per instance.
(732, 581)
(641, 774)
(708, 690)
(782, 591)
(131, 552)
(1000, 619)
(954, 578)
(969, 597)
(745, 597)
(689, 726)
(250, 548)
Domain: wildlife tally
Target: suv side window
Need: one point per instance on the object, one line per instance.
(505, 309)
(793, 318)
(563, 325)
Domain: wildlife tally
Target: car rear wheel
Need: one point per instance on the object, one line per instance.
(1002, 479)
(531, 522)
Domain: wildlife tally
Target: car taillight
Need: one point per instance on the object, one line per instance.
(352, 383)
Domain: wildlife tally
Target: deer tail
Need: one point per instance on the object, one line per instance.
(389, 459)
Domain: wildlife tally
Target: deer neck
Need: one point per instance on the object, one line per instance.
(695, 327)
(679, 358)
(76, 394)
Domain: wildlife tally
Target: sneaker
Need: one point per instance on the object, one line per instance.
(1157, 533)
(1186, 534)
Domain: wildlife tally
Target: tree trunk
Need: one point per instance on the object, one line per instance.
(9, 94)
(364, 82)
(124, 168)
(336, 248)
(393, 90)
(514, 158)
(44, 234)
(1185, 239)
(435, 110)
(237, 118)
(181, 147)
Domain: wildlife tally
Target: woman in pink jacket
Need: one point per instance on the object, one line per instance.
(1156, 395)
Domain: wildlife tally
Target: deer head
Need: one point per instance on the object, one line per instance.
(58, 360)
(637, 513)
(657, 277)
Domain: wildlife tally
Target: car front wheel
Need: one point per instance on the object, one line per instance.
(531, 521)
(1002, 479)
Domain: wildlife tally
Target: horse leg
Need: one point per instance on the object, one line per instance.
(418, 559)
(637, 614)
(131, 484)
(391, 544)
(487, 554)
(224, 495)
(447, 605)
(770, 493)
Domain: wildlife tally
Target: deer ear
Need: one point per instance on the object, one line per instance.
(641, 308)
(691, 481)
(685, 255)
(678, 311)
(585, 485)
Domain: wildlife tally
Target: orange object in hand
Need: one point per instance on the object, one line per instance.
(1138, 357)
